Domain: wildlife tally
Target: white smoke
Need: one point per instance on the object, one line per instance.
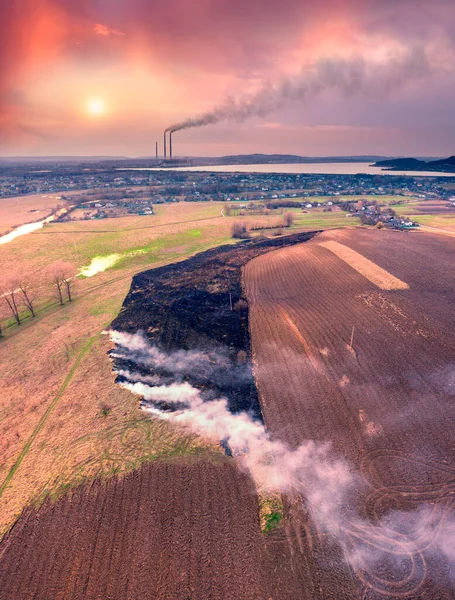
(354, 76)
(136, 348)
(324, 481)
(272, 464)
(214, 364)
(135, 376)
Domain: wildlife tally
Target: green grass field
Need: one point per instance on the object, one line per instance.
(438, 220)
(316, 219)
(405, 210)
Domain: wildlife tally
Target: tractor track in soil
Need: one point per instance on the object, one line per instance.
(385, 406)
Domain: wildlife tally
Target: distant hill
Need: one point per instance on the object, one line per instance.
(444, 165)
(256, 159)
(122, 161)
(401, 163)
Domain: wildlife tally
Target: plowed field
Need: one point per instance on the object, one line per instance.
(385, 404)
(176, 531)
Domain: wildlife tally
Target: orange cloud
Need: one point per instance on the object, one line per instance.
(107, 31)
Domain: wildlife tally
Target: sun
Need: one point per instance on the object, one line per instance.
(96, 107)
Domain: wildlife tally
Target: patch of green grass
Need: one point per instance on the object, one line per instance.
(105, 410)
(158, 250)
(271, 511)
(437, 220)
(272, 520)
(404, 210)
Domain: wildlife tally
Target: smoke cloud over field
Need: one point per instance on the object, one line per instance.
(325, 482)
(215, 365)
(355, 76)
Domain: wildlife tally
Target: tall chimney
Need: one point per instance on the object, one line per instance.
(170, 144)
(165, 151)
(156, 151)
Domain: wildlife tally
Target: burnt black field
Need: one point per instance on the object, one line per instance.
(200, 304)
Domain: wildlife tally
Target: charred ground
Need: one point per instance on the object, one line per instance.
(200, 304)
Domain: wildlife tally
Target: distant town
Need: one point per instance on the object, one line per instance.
(168, 186)
(101, 190)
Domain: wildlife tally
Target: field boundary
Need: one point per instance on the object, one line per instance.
(84, 231)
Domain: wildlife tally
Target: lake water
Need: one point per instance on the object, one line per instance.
(310, 168)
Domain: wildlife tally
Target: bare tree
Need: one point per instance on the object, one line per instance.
(61, 275)
(9, 295)
(23, 284)
(239, 230)
(2, 316)
(288, 219)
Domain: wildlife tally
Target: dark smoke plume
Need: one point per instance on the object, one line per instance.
(356, 76)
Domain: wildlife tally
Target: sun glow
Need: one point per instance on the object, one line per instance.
(96, 107)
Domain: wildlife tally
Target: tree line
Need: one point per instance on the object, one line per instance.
(241, 230)
(21, 292)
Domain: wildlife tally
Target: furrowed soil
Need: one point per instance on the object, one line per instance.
(170, 531)
(385, 403)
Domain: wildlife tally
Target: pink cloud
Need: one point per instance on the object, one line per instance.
(106, 31)
(186, 56)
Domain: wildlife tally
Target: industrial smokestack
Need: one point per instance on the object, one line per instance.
(170, 144)
(157, 151)
(165, 151)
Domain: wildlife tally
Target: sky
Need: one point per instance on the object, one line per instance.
(333, 77)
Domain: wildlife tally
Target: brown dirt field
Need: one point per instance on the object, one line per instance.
(177, 530)
(386, 405)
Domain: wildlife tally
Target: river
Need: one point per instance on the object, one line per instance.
(309, 168)
(23, 230)
(30, 227)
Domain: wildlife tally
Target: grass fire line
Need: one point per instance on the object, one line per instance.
(324, 481)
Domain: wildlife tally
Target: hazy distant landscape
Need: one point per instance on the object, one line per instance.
(227, 241)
